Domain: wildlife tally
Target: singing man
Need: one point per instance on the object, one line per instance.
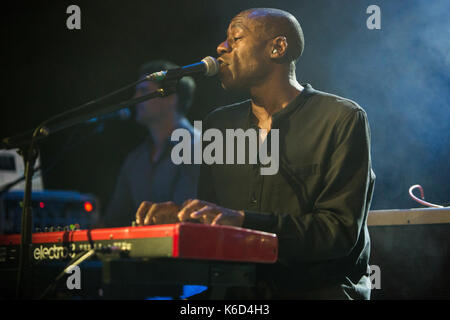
(318, 201)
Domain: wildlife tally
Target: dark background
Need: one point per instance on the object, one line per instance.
(399, 75)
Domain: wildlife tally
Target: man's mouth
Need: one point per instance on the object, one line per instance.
(222, 62)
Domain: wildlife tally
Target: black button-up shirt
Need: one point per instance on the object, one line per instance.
(318, 201)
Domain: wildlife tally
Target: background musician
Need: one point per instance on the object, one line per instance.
(148, 172)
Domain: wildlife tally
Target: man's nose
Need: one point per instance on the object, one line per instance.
(223, 48)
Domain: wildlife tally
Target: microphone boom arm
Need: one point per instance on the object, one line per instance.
(23, 139)
(26, 144)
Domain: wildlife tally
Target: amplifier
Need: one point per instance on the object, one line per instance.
(52, 210)
(411, 250)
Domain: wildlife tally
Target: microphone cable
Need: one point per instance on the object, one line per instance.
(75, 262)
(79, 258)
(422, 195)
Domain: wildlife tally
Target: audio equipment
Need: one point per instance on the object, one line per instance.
(52, 210)
(410, 249)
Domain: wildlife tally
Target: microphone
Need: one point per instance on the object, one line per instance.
(122, 114)
(208, 67)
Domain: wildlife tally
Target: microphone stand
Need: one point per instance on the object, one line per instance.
(29, 152)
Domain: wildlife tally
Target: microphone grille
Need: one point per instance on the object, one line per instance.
(212, 66)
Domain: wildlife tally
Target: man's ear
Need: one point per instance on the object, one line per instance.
(279, 47)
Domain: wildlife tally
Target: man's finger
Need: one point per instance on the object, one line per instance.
(142, 211)
(181, 213)
(165, 213)
(207, 214)
(192, 206)
(205, 210)
(186, 202)
(150, 212)
(217, 219)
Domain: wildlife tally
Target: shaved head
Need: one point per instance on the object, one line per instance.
(276, 22)
(261, 44)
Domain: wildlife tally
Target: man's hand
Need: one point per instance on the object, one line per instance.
(210, 213)
(157, 213)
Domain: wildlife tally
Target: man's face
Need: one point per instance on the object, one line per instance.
(156, 109)
(243, 58)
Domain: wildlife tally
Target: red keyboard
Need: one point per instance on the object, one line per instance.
(181, 240)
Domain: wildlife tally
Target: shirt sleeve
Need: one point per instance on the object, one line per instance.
(332, 228)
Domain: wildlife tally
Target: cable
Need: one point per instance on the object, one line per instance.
(71, 264)
(79, 258)
(428, 204)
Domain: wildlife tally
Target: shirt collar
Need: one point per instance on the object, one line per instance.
(297, 102)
